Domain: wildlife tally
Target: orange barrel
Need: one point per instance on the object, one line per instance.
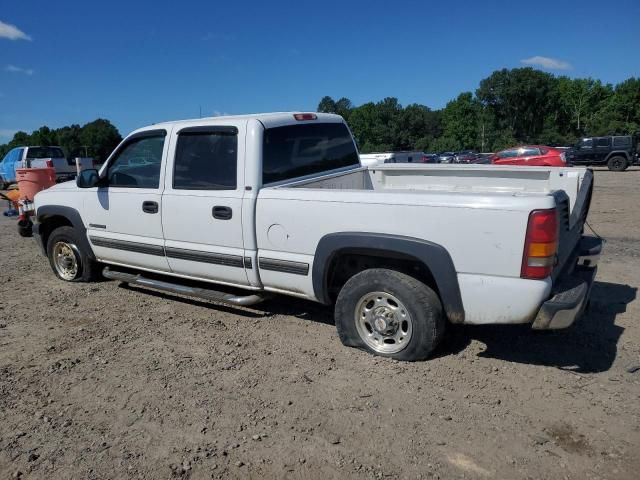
(32, 180)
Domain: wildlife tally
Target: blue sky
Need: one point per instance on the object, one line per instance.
(138, 62)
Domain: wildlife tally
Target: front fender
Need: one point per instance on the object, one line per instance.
(46, 212)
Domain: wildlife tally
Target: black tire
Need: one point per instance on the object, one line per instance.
(86, 269)
(617, 164)
(420, 301)
(25, 228)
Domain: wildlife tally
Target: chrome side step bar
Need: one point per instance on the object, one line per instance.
(207, 294)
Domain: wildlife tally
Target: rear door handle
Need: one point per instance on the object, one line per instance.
(149, 207)
(222, 213)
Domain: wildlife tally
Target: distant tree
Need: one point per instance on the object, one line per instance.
(375, 125)
(578, 98)
(20, 139)
(101, 137)
(461, 122)
(416, 127)
(327, 105)
(69, 139)
(519, 100)
(44, 136)
(343, 108)
(620, 112)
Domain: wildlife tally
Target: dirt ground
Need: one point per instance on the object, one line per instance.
(104, 381)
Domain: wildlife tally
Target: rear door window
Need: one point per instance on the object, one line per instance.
(508, 153)
(603, 142)
(298, 150)
(622, 141)
(206, 159)
(529, 152)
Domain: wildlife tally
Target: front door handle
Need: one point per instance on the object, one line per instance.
(222, 213)
(149, 207)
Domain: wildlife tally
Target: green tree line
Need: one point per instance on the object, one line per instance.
(509, 107)
(96, 139)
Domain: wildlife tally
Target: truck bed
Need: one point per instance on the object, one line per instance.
(470, 179)
(478, 212)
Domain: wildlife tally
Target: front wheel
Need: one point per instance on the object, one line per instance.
(390, 314)
(67, 258)
(617, 164)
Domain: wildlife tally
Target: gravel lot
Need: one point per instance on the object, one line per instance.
(104, 381)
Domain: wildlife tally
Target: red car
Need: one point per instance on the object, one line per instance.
(531, 155)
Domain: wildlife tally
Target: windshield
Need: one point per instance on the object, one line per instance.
(298, 150)
(45, 152)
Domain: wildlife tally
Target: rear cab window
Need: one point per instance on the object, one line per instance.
(295, 151)
(45, 152)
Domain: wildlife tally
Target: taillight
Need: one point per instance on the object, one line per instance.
(49, 163)
(305, 116)
(540, 244)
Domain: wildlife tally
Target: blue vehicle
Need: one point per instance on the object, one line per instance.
(8, 166)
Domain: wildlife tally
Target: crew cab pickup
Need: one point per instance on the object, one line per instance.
(236, 209)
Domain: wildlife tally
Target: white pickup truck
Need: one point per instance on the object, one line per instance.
(279, 203)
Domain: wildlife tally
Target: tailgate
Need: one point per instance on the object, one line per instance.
(62, 166)
(571, 222)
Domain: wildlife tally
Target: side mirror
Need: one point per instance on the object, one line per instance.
(88, 178)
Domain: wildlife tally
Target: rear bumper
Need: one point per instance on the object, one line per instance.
(570, 294)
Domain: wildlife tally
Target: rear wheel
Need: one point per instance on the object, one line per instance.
(617, 164)
(390, 314)
(67, 258)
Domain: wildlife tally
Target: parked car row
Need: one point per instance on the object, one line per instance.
(396, 157)
(466, 156)
(616, 152)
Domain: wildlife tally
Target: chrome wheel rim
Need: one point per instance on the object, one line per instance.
(65, 260)
(383, 322)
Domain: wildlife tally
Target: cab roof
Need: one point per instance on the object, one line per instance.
(269, 120)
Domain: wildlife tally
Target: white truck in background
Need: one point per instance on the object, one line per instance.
(369, 159)
(280, 203)
(35, 157)
(41, 157)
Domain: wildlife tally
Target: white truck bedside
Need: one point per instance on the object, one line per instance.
(279, 203)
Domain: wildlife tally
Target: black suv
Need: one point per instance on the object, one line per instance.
(616, 152)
